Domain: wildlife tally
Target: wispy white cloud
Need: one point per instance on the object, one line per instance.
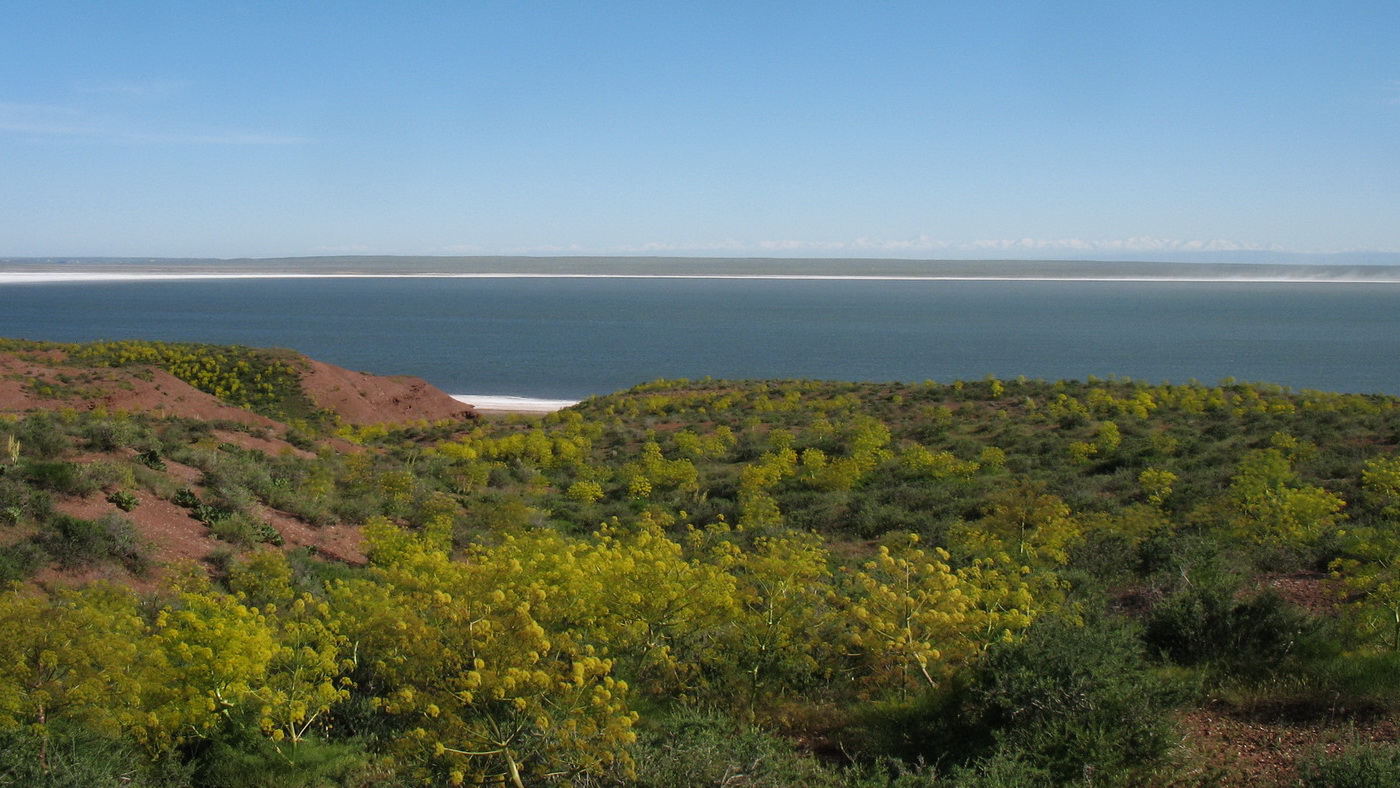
(41, 121)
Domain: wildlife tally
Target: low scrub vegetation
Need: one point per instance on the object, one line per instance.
(985, 583)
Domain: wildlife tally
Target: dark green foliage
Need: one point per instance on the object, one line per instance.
(1005, 770)
(177, 434)
(1212, 622)
(238, 528)
(20, 560)
(110, 434)
(41, 436)
(151, 459)
(227, 524)
(691, 748)
(354, 509)
(1105, 556)
(64, 478)
(77, 758)
(124, 500)
(252, 761)
(74, 542)
(1067, 702)
(209, 514)
(311, 573)
(1361, 765)
(300, 438)
(124, 543)
(21, 501)
(1330, 682)
(496, 513)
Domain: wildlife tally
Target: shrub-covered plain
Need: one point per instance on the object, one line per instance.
(714, 583)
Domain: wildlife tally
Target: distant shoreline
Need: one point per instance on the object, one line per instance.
(74, 277)
(495, 403)
(1315, 268)
(570, 338)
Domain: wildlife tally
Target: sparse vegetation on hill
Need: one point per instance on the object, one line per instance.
(980, 583)
(263, 381)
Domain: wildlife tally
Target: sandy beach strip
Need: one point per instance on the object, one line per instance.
(494, 403)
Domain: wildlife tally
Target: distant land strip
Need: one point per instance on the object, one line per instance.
(35, 270)
(56, 278)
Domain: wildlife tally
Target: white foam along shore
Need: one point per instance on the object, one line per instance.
(494, 402)
(58, 277)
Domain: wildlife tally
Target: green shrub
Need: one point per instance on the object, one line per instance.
(232, 498)
(109, 434)
(1073, 700)
(124, 543)
(253, 761)
(105, 474)
(1003, 770)
(64, 478)
(74, 542)
(19, 500)
(698, 748)
(312, 574)
(240, 529)
(42, 437)
(154, 482)
(124, 500)
(356, 509)
(1208, 622)
(1061, 702)
(78, 758)
(185, 497)
(209, 514)
(1362, 765)
(20, 560)
(1339, 680)
(177, 434)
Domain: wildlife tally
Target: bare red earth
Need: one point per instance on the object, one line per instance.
(361, 398)
(42, 381)
(39, 380)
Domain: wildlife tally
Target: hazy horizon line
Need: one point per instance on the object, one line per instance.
(60, 277)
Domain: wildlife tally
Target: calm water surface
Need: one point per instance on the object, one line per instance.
(574, 337)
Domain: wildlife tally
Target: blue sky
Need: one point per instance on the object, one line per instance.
(900, 129)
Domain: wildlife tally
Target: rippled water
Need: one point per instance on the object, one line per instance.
(568, 338)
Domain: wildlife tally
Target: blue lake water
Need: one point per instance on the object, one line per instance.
(569, 338)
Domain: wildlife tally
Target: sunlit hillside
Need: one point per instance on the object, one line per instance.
(692, 582)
